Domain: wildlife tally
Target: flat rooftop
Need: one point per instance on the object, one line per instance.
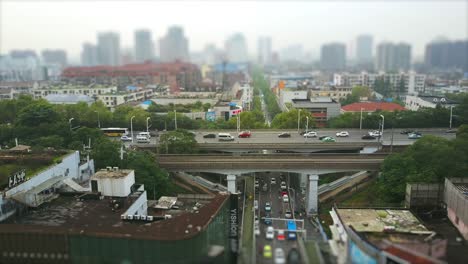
(119, 173)
(377, 220)
(462, 188)
(68, 214)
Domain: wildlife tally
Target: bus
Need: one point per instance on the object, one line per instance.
(292, 230)
(114, 131)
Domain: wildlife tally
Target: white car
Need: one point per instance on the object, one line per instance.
(279, 256)
(125, 138)
(283, 186)
(257, 229)
(285, 198)
(288, 214)
(270, 233)
(273, 181)
(256, 205)
(256, 184)
(267, 207)
(374, 133)
(310, 134)
(142, 139)
(342, 134)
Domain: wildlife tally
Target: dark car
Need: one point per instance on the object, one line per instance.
(284, 135)
(294, 257)
(451, 131)
(406, 132)
(267, 219)
(209, 136)
(368, 137)
(302, 133)
(322, 137)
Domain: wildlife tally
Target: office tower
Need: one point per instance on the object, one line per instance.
(264, 50)
(393, 57)
(211, 54)
(293, 52)
(89, 55)
(333, 56)
(236, 48)
(364, 48)
(444, 55)
(174, 46)
(108, 47)
(144, 49)
(55, 57)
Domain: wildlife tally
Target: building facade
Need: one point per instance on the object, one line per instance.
(333, 57)
(321, 108)
(414, 103)
(444, 55)
(144, 49)
(393, 57)
(364, 45)
(108, 48)
(89, 55)
(174, 46)
(236, 49)
(264, 50)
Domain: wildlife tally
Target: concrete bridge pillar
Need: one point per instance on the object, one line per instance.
(312, 194)
(231, 183)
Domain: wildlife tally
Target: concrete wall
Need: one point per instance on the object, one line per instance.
(423, 194)
(457, 205)
(139, 207)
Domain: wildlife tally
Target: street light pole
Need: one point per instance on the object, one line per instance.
(148, 118)
(298, 120)
(360, 121)
(307, 128)
(98, 119)
(69, 122)
(131, 126)
(383, 121)
(175, 119)
(451, 110)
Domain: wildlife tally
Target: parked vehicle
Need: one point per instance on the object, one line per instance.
(211, 135)
(329, 139)
(310, 134)
(270, 233)
(342, 134)
(145, 134)
(257, 229)
(284, 135)
(406, 132)
(225, 137)
(414, 135)
(125, 138)
(245, 134)
(279, 256)
(256, 205)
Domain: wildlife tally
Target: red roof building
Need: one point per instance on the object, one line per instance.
(371, 107)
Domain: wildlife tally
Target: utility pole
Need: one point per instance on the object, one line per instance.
(451, 110)
(175, 118)
(360, 121)
(298, 120)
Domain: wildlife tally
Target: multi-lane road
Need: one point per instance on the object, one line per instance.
(272, 194)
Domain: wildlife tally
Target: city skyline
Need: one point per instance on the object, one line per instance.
(218, 26)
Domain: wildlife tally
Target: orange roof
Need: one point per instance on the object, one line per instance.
(372, 107)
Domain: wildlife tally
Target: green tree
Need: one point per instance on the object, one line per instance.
(178, 142)
(105, 153)
(287, 120)
(38, 112)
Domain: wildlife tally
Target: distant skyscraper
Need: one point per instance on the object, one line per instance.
(174, 46)
(210, 54)
(364, 48)
(447, 55)
(108, 48)
(264, 50)
(393, 57)
(236, 48)
(293, 52)
(333, 56)
(144, 49)
(89, 55)
(55, 57)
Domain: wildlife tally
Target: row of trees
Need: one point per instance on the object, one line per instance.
(430, 159)
(181, 108)
(269, 97)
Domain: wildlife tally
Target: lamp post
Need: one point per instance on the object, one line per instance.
(69, 122)
(298, 120)
(383, 121)
(451, 110)
(175, 119)
(131, 126)
(98, 119)
(307, 128)
(360, 121)
(147, 128)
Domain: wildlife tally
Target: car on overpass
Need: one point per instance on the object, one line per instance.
(406, 132)
(368, 137)
(329, 139)
(310, 134)
(125, 138)
(375, 133)
(281, 236)
(270, 233)
(225, 137)
(267, 207)
(245, 134)
(211, 135)
(284, 135)
(285, 198)
(342, 134)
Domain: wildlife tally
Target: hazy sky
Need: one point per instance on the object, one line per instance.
(66, 25)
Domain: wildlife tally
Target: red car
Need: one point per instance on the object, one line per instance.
(283, 193)
(245, 134)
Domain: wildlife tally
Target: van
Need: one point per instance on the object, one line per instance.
(142, 139)
(145, 134)
(225, 137)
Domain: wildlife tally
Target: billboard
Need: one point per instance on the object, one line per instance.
(210, 116)
(234, 226)
(358, 256)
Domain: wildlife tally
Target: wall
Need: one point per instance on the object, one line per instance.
(139, 207)
(423, 194)
(457, 205)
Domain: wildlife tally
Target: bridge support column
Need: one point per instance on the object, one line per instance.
(312, 194)
(231, 183)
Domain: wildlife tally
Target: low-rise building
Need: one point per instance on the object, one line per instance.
(456, 199)
(112, 100)
(69, 99)
(415, 102)
(91, 90)
(335, 92)
(370, 107)
(321, 108)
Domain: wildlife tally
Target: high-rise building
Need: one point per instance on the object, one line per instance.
(174, 46)
(294, 52)
(447, 55)
(55, 57)
(236, 48)
(144, 49)
(264, 50)
(364, 48)
(393, 57)
(89, 55)
(108, 48)
(211, 54)
(333, 56)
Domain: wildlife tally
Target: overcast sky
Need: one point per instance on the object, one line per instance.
(66, 25)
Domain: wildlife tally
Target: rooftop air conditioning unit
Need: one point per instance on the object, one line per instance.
(443, 100)
(167, 216)
(143, 217)
(123, 217)
(136, 217)
(149, 218)
(129, 217)
(109, 168)
(116, 168)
